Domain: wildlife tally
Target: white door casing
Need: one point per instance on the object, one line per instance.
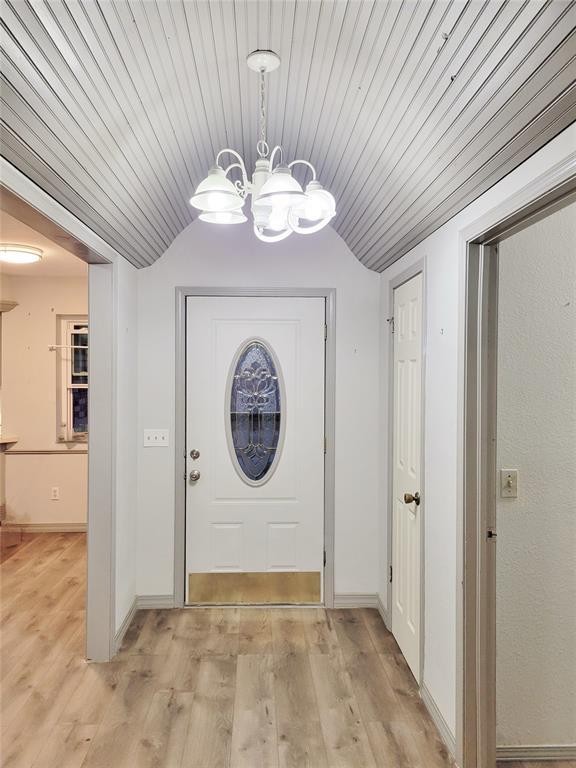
(233, 525)
(407, 470)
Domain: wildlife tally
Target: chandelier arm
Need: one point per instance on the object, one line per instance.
(272, 238)
(241, 186)
(277, 148)
(240, 163)
(304, 162)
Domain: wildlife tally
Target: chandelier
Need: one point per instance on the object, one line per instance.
(280, 206)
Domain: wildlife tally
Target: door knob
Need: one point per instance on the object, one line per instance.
(194, 454)
(194, 476)
(409, 498)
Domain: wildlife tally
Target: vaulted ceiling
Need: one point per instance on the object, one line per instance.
(409, 110)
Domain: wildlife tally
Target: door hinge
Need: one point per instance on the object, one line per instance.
(325, 331)
(325, 444)
(390, 575)
(324, 558)
(390, 321)
(491, 533)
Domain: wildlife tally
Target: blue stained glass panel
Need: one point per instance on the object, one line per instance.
(80, 410)
(255, 411)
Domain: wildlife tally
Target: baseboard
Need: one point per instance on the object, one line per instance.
(443, 728)
(537, 752)
(119, 636)
(147, 602)
(384, 615)
(355, 600)
(13, 525)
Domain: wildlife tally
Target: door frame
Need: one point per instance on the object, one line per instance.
(476, 608)
(417, 268)
(27, 202)
(329, 295)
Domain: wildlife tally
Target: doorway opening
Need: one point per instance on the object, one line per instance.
(255, 492)
(55, 329)
(44, 430)
(505, 529)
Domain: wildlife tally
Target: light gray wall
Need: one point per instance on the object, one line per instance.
(536, 552)
(444, 254)
(205, 255)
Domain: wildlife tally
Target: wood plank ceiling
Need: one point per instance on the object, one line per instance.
(409, 110)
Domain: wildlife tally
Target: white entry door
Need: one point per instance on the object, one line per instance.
(406, 539)
(255, 449)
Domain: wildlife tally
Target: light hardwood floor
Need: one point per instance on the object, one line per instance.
(199, 688)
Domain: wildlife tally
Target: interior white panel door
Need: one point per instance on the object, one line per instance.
(234, 523)
(406, 536)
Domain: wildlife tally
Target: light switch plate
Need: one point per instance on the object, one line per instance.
(509, 483)
(156, 438)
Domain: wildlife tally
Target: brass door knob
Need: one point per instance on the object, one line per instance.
(409, 498)
(194, 476)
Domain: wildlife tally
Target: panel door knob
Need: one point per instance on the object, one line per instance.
(409, 498)
(194, 454)
(194, 476)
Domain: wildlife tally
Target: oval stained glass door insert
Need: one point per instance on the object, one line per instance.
(255, 398)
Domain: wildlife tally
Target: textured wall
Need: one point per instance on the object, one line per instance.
(205, 255)
(443, 399)
(536, 553)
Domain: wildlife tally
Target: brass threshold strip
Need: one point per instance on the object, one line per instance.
(255, 588)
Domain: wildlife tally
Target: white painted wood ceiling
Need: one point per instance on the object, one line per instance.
(409, 110)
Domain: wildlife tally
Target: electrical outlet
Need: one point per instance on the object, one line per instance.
(55, 493)
(509, 483)
(156, 438)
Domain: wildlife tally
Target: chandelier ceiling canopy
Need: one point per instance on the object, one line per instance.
(280, 206)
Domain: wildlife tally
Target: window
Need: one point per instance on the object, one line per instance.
(73, 379)
(255, 401)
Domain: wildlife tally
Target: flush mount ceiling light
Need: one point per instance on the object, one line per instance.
(279, 204)
(19, 254)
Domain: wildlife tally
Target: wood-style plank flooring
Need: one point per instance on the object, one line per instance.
(199, 688)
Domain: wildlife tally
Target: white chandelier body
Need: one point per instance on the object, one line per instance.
(279, 205)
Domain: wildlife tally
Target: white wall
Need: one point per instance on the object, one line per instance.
(126, 332)
(444, 298)
(536, 553)
(204, 255)
(29, 402)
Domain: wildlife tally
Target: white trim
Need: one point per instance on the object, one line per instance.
(383, 611)
(124, 627)
(355, 600)
(446, 734)
(536, 752)
(27, 527)
(147, 602)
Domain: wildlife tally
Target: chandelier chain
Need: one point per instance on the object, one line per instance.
(262, 145)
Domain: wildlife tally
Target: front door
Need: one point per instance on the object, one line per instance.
(406, 512)
(254, 449)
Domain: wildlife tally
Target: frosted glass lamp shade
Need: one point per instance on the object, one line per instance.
(223, 217)
(281, 190)
(216, 193)
(319, 204)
